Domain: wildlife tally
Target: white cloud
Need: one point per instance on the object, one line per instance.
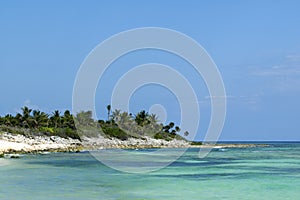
(284, 76)
(29, 104)
(249, 100)
(290, 66)
(293, 57)
(216, 97)
(278, 70)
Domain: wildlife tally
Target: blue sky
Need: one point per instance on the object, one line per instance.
(255, 44)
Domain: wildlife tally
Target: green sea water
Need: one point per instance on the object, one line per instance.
(271, 172)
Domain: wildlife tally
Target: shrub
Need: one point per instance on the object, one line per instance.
(114, 131)
(66, 133)
(46, 130)
(163, 136)
(196, 143)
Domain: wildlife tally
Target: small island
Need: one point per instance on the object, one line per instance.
(34, 131)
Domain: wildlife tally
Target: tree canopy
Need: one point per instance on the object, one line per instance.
(121, 125)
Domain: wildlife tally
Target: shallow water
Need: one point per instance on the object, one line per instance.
(234, 173)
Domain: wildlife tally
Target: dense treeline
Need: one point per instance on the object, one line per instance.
(121, 125)
(36, 122)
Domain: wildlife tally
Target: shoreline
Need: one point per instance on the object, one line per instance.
(19, 144)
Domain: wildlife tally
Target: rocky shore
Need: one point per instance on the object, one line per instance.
(132, 143)
(15, 143)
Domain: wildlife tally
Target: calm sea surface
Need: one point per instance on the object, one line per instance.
(234, 173)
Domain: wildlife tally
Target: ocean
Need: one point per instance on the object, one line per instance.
(271, 172)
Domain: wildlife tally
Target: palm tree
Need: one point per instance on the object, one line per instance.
(126, 122)
(125, 118)
(173, 132)
(141, 118)
(186, 133)
(40, 119)
(18, 119)
(84, 118)
(166, 128)
(26, 117)
(116, 115)
(108, 107)
(8, 120)
(153, 118)
(36, 115)
(171, 124)
(55, 119)
(26, 111)
(68, 120)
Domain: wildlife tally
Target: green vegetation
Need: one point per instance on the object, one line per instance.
(114, 131)
(121, 125)
(35, 122)
(196, 143)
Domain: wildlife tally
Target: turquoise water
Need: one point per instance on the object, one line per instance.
(234, 173)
